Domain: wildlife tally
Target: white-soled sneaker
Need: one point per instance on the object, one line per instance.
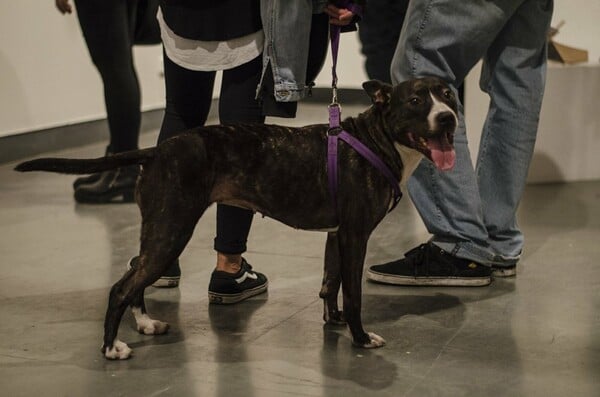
(170, 279)
(226, 288)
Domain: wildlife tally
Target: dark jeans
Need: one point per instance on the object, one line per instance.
(379, 31)
(188, 100)
(108, 27)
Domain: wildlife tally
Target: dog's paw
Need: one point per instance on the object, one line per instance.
(119, 351)
(152, 327)
(374, 341)
(146, 325)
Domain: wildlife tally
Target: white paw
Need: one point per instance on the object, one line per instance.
(146, 325)
(152, 327)
(374, 341)
(119, 351)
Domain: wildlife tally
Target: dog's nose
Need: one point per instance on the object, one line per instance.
(446, 120)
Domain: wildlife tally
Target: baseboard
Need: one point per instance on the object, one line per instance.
(29, 144)
(349, 96)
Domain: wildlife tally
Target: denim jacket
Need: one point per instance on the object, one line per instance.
(286, 25)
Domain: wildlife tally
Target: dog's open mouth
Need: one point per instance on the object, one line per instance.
(436, 147)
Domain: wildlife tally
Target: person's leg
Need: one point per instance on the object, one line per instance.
(108, 27)
(446, 38)
(237, 103)
(318, 46)
(188, 96)
(379, 30)
(514, 77)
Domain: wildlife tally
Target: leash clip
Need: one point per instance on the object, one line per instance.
(334, 96)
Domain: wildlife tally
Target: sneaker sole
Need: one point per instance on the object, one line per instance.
(430, 281)
(163, 282)
(227, 299)
(504, 271)
(166, 282)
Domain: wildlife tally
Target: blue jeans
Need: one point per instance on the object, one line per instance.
(471, 212)
(287, 35)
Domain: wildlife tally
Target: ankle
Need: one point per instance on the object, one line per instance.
(229, 263)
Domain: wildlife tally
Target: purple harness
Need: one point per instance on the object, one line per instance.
(336, 132)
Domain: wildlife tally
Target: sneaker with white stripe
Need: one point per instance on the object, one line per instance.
(227, 288)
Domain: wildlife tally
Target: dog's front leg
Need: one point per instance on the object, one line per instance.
(331, 282)
(353, 248)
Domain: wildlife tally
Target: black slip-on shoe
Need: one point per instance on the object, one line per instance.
(226, 288)
(429, 265)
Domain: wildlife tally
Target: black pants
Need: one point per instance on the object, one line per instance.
(188, 100)
(108, 27)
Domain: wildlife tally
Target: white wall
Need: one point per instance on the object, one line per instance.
(350, 68)
(46, 75)
(47, 78)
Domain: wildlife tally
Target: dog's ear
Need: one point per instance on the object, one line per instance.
(380, 92)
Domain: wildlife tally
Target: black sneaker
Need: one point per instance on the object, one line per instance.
(227, 288)
(428, 264)
(170, 279)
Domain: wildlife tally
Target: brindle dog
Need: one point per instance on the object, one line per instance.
(280, 172)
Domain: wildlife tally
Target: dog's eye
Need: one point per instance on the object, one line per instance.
(447, 93)
(415, 101)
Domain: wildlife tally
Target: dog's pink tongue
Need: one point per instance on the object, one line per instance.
(442, 153)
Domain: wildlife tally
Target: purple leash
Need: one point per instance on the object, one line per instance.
(335, 131)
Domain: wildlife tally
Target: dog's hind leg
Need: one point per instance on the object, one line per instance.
(119, 297)
(331, 282)
(353, 249)
(166, 229)
(128, 290)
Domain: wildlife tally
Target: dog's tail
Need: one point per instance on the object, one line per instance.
(87, 166)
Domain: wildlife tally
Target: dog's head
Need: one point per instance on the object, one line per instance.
(419, 114)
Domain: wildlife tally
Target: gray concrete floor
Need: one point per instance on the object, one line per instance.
(533, 335)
